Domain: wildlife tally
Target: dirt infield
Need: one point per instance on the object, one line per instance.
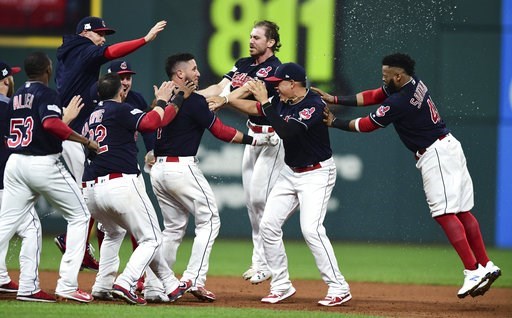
(389, 300)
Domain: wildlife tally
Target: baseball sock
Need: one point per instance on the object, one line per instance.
(474, 236)
(454, 230)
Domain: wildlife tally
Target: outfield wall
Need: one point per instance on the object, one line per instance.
(378, 194)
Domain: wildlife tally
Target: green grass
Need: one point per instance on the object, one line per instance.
(359, 262)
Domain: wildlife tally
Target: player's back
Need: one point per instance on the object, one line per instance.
(114, 125)
(183, 135)
(29, 107)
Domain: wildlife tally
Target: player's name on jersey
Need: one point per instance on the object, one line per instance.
(22, 101)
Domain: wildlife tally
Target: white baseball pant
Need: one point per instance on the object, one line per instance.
(122, 205)
(181, 190)
(311, 191)
(446, 181)
(260, 169)
(27, 177)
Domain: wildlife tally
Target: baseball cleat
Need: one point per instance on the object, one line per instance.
(156, 297)
(60, 241)
(10, 287)
(249, 273)
(40, 296)
(182, 288)
(277, 297)
(103, 295)
(89, 261)
(127, 295)
(493, 273)
(331, 301)
(203, 294)
(77, 295)
(140, 285)
(472, 280)
(260, 277)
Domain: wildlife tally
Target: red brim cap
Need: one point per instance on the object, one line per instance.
(15, 70)
(273, 79)
(126, 72)
(106, 30)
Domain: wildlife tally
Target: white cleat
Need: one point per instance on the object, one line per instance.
(472, 280)
(260, 276)
(277, 297)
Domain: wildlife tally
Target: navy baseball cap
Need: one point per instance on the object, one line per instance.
(288, 71)
(93, 24)
(120, 67)
(6, 70)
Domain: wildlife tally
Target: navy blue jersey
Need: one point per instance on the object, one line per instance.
(183, 135)
(312, 144)
(4, 151)
(113, 126)
(78, 67)
(29, 107)
(413, 114)
(137, 100)
(245, 70)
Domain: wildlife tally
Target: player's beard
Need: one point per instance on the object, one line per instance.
(391, 87)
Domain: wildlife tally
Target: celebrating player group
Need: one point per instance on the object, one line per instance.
(76, 147)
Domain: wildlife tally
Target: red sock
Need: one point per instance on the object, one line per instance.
(454, 230)
(474, 236)
(134, 242)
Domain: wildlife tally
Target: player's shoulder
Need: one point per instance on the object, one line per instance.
(313, 98)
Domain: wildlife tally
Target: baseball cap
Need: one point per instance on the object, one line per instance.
(288, 71)
(93, 24)
(6, 70)
(120, 67)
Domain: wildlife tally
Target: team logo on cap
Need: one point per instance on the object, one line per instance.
(87, 26)
(5, 72)
(123, 66)
(263, 72)
(306, 113)
(381, 112)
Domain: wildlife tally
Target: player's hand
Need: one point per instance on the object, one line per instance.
(258, 90)
(164, 92)
(159, 26)
(273, 139)
(328, 98)
(187, 89)
(261, 140)
(328, 116)
(149, 161)
(69, 113)
(216, 103)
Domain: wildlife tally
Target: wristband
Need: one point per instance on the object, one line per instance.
(178, 99)
(247, 140)
(341, 124)
(161, 103)
(350, 100)
(266, 105)
(226, 100)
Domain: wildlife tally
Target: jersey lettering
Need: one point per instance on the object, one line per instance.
(434, 113)
(419, 95)
(100, 133)
(15, 129)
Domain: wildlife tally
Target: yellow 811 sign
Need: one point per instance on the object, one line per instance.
(307, 31)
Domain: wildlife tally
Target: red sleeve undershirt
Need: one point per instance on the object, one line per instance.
(221, 131)
(121, 49)
(373, 96)
(367, 125)
(169, 114)
(57, 127)
(150, 122)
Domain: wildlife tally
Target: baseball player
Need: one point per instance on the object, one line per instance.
(260, 165)
(405, 102)
(79, 60)
(6, 92)
(179, 184)
(34, 169)
(306, 181)
(116, 196)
